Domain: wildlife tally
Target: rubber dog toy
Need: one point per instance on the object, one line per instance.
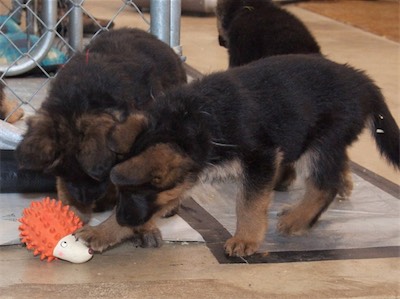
(47, 227)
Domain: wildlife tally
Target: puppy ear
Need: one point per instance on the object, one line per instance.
(133, 172)
(94, 156)
(122, 136)
(160, 165)
(38, 149)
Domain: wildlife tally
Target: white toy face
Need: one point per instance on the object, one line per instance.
(72, 250)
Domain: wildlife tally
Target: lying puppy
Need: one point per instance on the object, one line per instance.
(119, 72)
(8, 109)
(252, 29)
(248, 122)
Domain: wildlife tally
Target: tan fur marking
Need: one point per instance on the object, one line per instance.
(9, 111)
(93, 148)
(123, 135)
(346, 182)
(170, 199)
(170, 165)
(159, 165)
(298, 218)
(252, 217)
(251, 225)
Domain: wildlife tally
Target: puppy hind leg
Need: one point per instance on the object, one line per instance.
(327, 176)
(297, 219)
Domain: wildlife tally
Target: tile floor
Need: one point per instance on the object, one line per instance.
(191, 271)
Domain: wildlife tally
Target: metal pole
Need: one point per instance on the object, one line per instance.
(175, 33)
(76, 25)
(160, 19)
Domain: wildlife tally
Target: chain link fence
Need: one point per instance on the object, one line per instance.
(37, 36)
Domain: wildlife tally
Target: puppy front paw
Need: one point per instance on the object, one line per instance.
(95, 238)
(238, 247)
(148, 239)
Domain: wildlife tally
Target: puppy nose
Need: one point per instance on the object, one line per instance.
(91, 252)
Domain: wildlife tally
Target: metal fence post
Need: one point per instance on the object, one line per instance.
(76, 25)
(175, 27)
(160, 19)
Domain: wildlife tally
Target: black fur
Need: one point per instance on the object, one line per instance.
(136, 208)
(252, 29)
(119, 71)
(295, 105)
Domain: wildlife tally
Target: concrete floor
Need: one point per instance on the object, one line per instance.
(191, 271)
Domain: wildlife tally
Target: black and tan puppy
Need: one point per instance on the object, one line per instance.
(253, 29)
(249, 122)
(119, 72)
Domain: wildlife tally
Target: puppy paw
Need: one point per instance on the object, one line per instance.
(290, 223)
(94, 238)
(17, 115)
(7, 107)
(238, 247)
(148, 239)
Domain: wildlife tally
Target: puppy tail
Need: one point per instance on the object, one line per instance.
(385, 130)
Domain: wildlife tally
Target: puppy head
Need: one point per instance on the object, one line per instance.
(150, 182)
(73, 149)
(225, 12)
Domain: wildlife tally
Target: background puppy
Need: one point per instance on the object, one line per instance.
(8, 109)
(249, 122)
(252, 29)
(119, 72)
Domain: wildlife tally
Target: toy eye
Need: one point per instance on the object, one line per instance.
(64, 244)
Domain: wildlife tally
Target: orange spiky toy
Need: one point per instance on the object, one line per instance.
(47, 227)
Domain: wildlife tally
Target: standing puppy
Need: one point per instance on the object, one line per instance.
(249, 122)
(252, 29)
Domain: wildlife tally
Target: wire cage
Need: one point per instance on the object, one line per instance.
(37, 36)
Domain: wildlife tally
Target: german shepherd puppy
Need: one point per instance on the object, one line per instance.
(118, 73)
(247, 122)
(253, 29)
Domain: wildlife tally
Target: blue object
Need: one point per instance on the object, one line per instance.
(24, 42)
(13, 42)
(8, 25)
